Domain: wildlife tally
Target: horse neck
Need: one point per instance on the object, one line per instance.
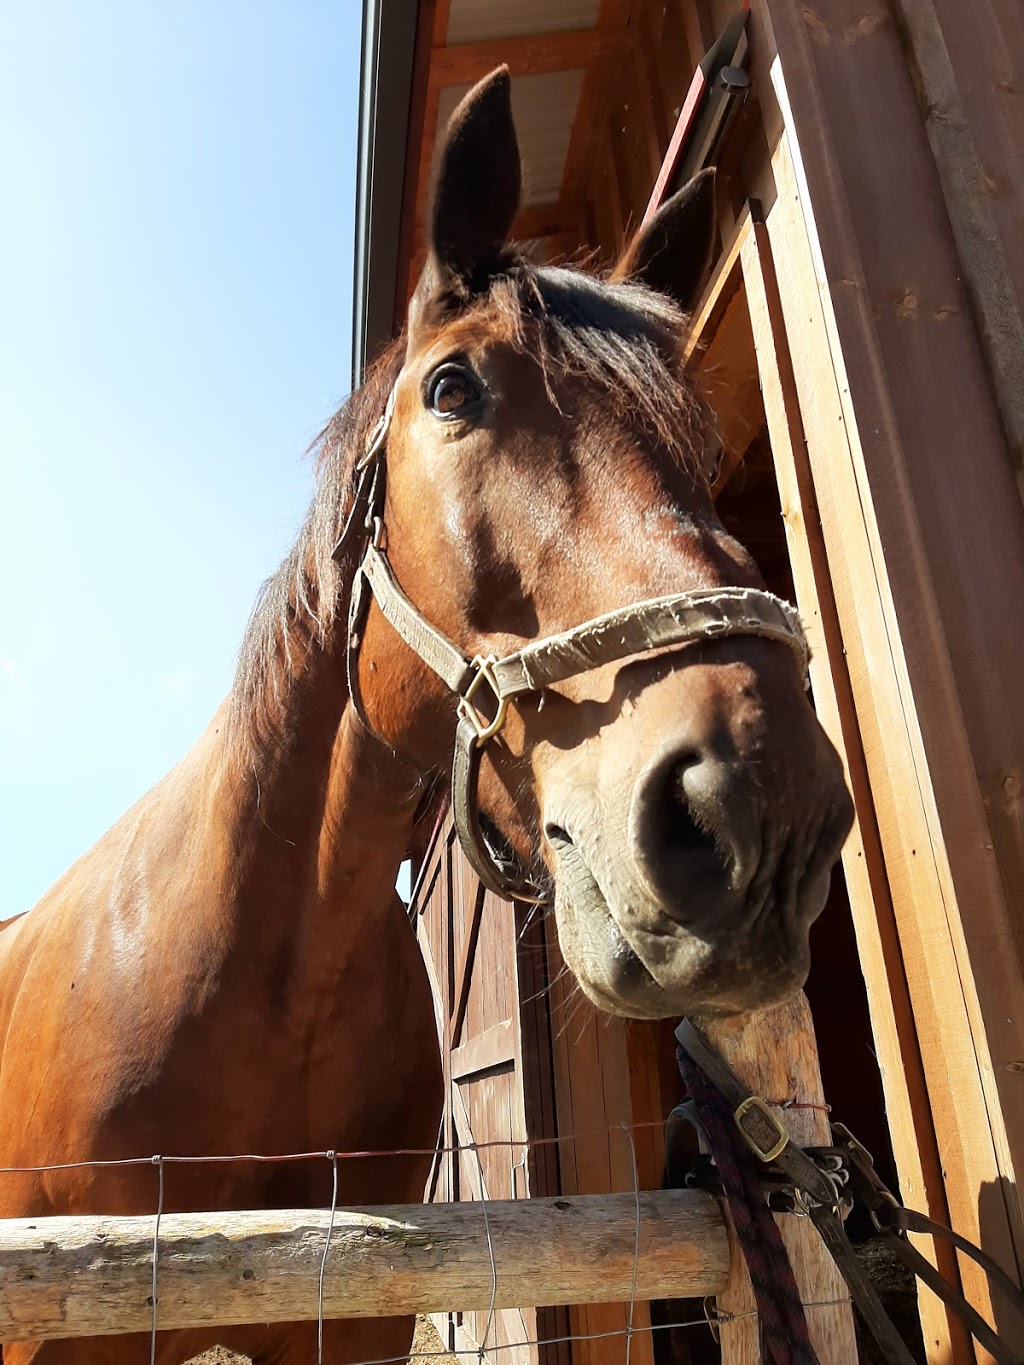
(318, 815)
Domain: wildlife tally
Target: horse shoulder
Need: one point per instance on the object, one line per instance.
(97, 977)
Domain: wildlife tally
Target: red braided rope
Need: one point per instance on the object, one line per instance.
(775, 1289)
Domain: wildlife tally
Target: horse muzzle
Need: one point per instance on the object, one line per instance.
(700, 894)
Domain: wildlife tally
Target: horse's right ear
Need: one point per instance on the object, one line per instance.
(475, 195)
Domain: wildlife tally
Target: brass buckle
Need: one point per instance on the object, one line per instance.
(768, 1125)
(485, 729)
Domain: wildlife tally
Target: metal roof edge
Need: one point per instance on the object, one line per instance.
(385, 87)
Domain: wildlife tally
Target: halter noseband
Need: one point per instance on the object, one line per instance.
(703, 614)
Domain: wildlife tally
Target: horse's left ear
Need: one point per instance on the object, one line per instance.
(672, 251)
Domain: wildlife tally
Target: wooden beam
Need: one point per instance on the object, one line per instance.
(591, 112)
(439, 23)
(720, 347)
(532, 55)
(726, 279)
(969, 189)
(643, 101)
(544, 220)
(731, 383)
(889, 723)
(696, 26)
(73, 1277)
(775, 1055)
(495, 1047)
(912, 522)
(607, 172)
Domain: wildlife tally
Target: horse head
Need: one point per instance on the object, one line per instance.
(546, 465)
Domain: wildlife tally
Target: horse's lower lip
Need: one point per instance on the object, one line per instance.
(652, 972)
(626, 957)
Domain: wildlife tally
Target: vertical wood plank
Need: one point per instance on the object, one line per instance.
(594, 1101)
(910, 1120)
(918, 878)
(933, 498)
(589, 122)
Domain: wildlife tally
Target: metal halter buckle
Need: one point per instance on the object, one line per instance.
(485, 729)
(764, 1134)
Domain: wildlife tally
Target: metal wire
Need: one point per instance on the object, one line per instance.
(489, 1324)
(158, 1162)
(323, 1262)
(259, 1158)
(718, 1319)
(636, 1241)
(712, 1320)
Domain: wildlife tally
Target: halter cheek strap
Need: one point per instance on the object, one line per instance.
(657, 622)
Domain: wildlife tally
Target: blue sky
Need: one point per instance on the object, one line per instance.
(175, 313)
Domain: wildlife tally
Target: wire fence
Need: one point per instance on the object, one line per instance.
(488, 1346)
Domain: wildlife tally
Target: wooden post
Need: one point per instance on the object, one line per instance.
(774, 1053)
(87, 1276)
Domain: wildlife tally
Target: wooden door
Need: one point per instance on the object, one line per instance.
(531, 1067)
(488, 964)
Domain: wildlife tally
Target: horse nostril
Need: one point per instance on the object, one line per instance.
(557, 837)
(688, 826)
(677, 824)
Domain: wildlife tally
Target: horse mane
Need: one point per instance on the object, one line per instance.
(297, 605)
(623, 338)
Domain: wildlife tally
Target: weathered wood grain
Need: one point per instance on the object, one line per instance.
(67, 1277)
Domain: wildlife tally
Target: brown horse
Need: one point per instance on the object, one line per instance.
(229, 970)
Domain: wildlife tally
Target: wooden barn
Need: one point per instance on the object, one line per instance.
(861, 340)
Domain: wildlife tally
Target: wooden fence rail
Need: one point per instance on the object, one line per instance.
(83, 1276)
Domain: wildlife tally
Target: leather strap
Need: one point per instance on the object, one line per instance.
(862, 1291)
(894, 1222)
(952, 1298)
(762, 1130)
(703, 614)
(909, 1220)
(765, 1135)
(682, 618)
(435, 649)
(767, 1138)
(466, 814)
(359, 522)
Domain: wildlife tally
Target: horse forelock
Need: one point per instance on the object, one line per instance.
(621, 337)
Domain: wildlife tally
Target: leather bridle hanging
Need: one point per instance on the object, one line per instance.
(657, 622)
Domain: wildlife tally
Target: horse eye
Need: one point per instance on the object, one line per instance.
(450, 391)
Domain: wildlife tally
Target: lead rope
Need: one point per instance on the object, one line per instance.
(775, 1289)
(736, 1124)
